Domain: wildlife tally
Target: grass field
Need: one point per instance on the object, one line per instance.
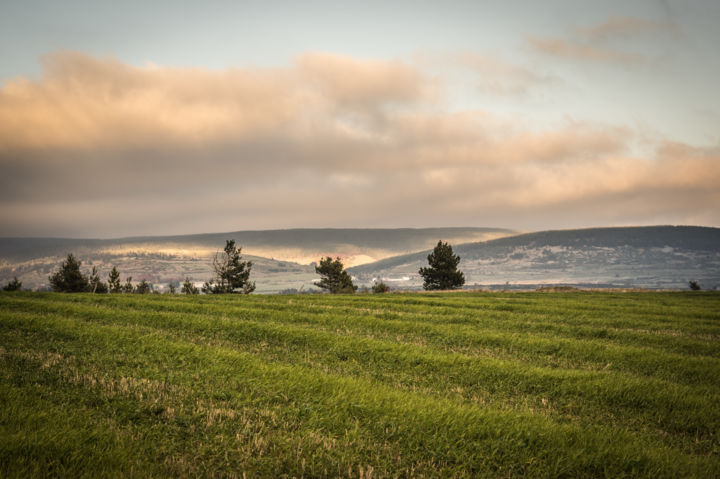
(399, 385)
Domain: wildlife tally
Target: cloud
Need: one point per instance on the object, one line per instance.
(498, 76)
(365, 83)
(572, 49)
(492, 74)
(84, 102)
(99, 148)
(605, 42)
(618, 26)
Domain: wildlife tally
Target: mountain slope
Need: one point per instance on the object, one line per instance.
(656, 257)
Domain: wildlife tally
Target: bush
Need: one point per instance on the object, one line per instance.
(13, 285)
(128, 287)
(289, 291)
(188, 287)
(380, 288)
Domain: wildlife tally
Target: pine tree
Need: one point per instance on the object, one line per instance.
(69, 278)
(95, 285)
(142, 288)
(231, 274)
(334, 277)
(380, 287)
(128, 287)
(114, 281)
(442, 272)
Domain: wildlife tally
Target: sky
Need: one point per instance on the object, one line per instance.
(123, 119)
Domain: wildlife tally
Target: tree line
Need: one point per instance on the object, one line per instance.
(232, 275)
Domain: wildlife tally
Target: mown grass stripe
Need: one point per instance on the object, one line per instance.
(452, 437)
(561, 323)
(316, 385)
(597, 395)
(545, 350)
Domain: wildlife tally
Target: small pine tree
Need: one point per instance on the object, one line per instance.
(142, 288)
(95, 285)
(69, 278)
(334, 277)
(188, 287)
(171, 288)
(442, 272)
(114, 281)
(128, 287)
(380, 287)
(231, 274)
(13, 285)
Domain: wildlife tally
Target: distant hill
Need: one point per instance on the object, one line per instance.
(650, 257)
(282, 257)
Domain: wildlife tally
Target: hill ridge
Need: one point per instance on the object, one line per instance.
(625, 255)
(283, 257)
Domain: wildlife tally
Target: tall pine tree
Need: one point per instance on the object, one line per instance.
(442, 272)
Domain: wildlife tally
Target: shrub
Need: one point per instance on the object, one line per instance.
(13, 285)
(128, 287)
(188, 287)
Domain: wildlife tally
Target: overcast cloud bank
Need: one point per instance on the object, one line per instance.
(100, 148)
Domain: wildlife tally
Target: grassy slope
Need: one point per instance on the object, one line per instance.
(572, 385)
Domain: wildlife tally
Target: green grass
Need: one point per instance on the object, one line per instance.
(400, 385)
